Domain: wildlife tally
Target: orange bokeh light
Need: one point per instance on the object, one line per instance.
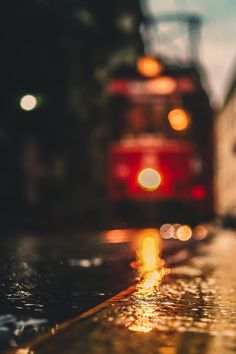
(184, 233)
(163, 85)
(179, 119)
(200, 232)
(149, 67)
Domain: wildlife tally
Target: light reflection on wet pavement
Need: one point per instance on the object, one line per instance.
(191, 310)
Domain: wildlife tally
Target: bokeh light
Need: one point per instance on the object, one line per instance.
(179, 119)
(28, 102)
(149, 179)
(163, 85)
(200, 232)
(184, 233)
(167, 231)
(176, 227)
(117, 236)
(149, 67)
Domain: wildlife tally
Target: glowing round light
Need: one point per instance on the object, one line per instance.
(200, 232)
(149, 67)
(167, 231)
(149, 179)
(176, 227)
(179, 119)
(184, 233)
(28, 102)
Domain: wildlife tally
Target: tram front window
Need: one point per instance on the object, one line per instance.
(139, 119)
(135, 120)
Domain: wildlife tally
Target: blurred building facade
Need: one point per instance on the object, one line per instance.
(225, 136)
(45, 153)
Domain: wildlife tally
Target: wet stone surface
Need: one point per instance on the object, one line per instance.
(46, 279)
(193, 311)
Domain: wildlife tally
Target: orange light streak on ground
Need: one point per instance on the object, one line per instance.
(151, 271)
(150, 266)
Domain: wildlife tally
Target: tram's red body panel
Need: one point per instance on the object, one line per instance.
(174, 160)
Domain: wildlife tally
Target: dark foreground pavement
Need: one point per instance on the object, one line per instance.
(49, 278)
(191, 310)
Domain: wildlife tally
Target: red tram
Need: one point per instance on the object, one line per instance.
(161, 141)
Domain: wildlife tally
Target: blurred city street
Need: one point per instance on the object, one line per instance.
(118, 177)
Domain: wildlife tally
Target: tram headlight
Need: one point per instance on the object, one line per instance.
(149, 179)
(179, 119)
